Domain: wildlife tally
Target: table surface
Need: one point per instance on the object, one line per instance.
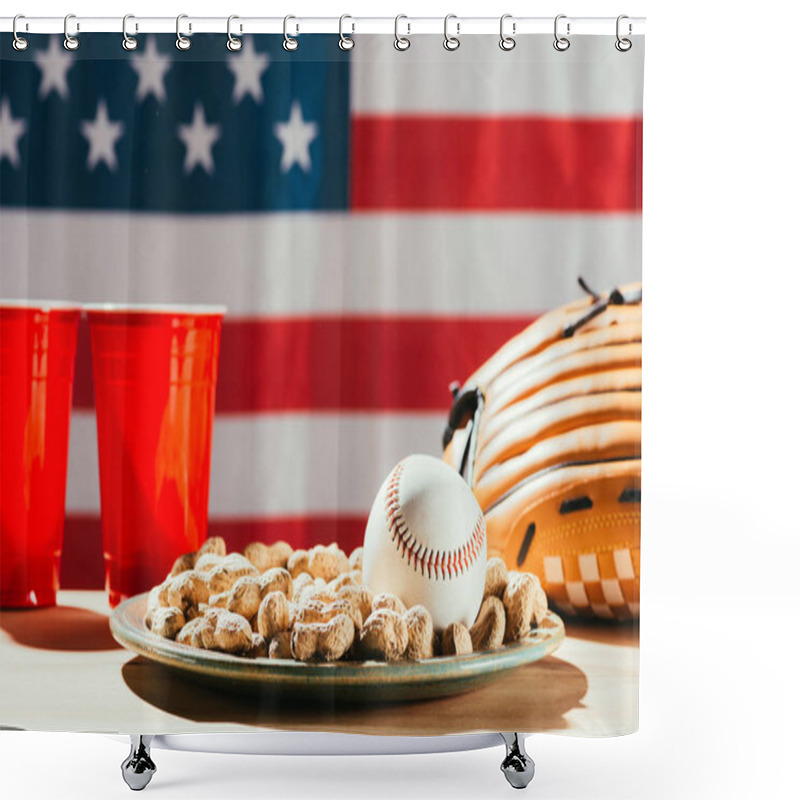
(61, 670)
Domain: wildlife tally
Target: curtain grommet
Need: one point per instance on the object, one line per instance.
(182, 42)
(128, 42)
(233, 44)
(451, 43)
(20, 43)
(70, 42)
(507, 42)
(561, 43)
(401, 43)
(290, 44)
(623, 44)
(346, 42)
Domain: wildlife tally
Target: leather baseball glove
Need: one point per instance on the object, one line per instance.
(548, 435)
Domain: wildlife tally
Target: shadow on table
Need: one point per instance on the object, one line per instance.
(623, 634)
(58, 628)
(535, 697)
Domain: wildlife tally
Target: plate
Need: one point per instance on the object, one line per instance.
(352, 681)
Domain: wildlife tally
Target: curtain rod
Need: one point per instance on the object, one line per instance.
(352, 25)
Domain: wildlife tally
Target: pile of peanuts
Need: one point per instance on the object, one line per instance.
(271, 601)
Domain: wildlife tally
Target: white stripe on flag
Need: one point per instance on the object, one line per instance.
(591, 79)
(281, 464)
(298, 264)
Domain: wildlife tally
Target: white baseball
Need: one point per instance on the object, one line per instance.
(426, 541)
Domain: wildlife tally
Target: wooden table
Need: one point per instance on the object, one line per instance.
(61, 670)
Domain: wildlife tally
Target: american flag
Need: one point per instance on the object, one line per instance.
(377, 223)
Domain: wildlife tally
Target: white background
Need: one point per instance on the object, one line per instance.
(721, 533)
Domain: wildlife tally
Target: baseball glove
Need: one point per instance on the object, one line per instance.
(548, 435)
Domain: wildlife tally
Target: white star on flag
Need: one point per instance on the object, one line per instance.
(151, 67)
(54, 64)
(10, 131)
(102, 134)
(199, 138)
(296, 135)
(247, 66)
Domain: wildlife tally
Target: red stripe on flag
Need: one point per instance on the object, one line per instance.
(496, 163)
(82, 558)
(340, 363)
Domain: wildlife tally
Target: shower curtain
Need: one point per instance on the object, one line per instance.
(394, 240)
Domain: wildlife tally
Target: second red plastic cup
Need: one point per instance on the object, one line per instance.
(155, 376)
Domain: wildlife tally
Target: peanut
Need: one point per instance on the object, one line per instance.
(351, 578)
(215, 545)
(386, 600)
(186, 633)
(319, 611)
(182, 563)
(228, 571)
(518, 599)
(167, 622)
(420, 633)
(316, 591)
(357, 558)
(163, 592)
(233, 633)
(384, 635)
(327, 562)
(489, 628)
(496, 578)
(196, 639)
(539, 602)
(276, 579)
(205, 635)
(456, 640)
(265, 556)
(153, 604)
(220, 600)
(274, 614)
(315, 611)
(226, 631)
(360, 596)
(186, 590)
(281, 645)
(326, 641)
(258, 649)
(299, 583)
(207, 562)
(298, 562)
(245, 596)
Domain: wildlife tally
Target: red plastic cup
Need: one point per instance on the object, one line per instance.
(37, 365)
(155, 377)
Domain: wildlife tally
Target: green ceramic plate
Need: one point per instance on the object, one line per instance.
(364, 680)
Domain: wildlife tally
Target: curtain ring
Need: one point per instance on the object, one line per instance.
(182, 42)
(70, 42)
(561, 43)
(19, 42)
(622, 44)
(507, 42)
(451, 42)
(401, 42)
(128, 42)
(289, 43)
(233, 44)
(346, 42)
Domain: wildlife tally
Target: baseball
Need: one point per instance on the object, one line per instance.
(426, 541)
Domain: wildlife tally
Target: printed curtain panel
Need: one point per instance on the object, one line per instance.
(353, 346)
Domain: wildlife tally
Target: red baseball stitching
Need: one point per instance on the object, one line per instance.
(434, 563)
